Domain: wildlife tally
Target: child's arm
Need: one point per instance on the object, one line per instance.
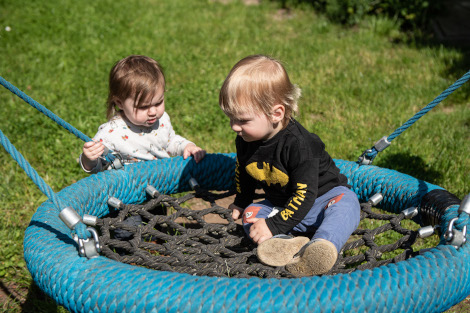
(304, 169)
(178, 145)
(245, 185)
(90, 158)
(236, 211)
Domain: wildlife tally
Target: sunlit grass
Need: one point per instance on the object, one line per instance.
(358, 84)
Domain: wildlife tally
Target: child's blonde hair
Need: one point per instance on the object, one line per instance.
(255, 84)
(135, 76)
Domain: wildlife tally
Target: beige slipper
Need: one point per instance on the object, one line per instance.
(279, 251)
(316, 258)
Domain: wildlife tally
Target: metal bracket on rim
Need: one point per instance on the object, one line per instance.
(455, 237)
(89, 247)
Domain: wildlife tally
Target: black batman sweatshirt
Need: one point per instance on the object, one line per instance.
(293, 168)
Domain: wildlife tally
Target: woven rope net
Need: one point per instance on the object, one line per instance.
(170, 236)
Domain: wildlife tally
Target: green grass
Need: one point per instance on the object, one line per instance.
(358, 84)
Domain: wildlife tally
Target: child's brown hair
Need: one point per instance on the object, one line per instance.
(135, 76)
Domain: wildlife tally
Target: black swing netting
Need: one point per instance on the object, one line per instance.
(172, 237)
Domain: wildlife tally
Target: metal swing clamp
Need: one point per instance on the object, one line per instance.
(379, 146)
(465, 205)
(89, 220)
(117, 164)
(115, 202)
(426, 231)
(410, 212)
(152, 191)
(89, 247)
(70, 217)
(193, 183)
(115, 161)
(452, 236)
(364, 159)
(375, 199)
(382, 144)
(455, 237)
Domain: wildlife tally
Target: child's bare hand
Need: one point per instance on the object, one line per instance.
(259, 231)
(93, 150)
(236, 211)
(197, 153)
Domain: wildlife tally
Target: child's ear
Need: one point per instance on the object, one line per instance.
(278, 113)
(118, 103)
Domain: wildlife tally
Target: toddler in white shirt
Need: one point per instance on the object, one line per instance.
(138, 127)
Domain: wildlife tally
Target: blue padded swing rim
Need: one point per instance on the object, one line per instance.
(431, 282)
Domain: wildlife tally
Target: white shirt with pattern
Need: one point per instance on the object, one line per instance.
(139, 143)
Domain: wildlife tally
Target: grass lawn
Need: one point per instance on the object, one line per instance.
(358, 85)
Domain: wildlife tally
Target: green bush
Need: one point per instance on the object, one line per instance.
(412, 14)
(347, 11)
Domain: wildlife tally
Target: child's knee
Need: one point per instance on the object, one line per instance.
(254, 210)
(356, 213)
(251, 211)
(352, 209)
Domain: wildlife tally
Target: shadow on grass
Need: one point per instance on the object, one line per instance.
(411, 165)
(24, 299)
(38, 302)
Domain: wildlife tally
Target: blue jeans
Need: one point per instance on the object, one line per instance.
(333, 216)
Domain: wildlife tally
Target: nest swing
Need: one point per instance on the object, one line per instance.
(430, 281)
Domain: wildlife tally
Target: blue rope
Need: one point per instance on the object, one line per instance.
(44, 110)
(109, 157)
(80, 228)
(369, 155)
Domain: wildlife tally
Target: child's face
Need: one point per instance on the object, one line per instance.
(253, 126)
(146, 115)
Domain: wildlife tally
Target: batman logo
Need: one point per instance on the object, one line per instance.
(267, 173)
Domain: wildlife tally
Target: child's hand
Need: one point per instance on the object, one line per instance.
(91, 152)
(259, 231)
(197, 153)
(236, 211)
